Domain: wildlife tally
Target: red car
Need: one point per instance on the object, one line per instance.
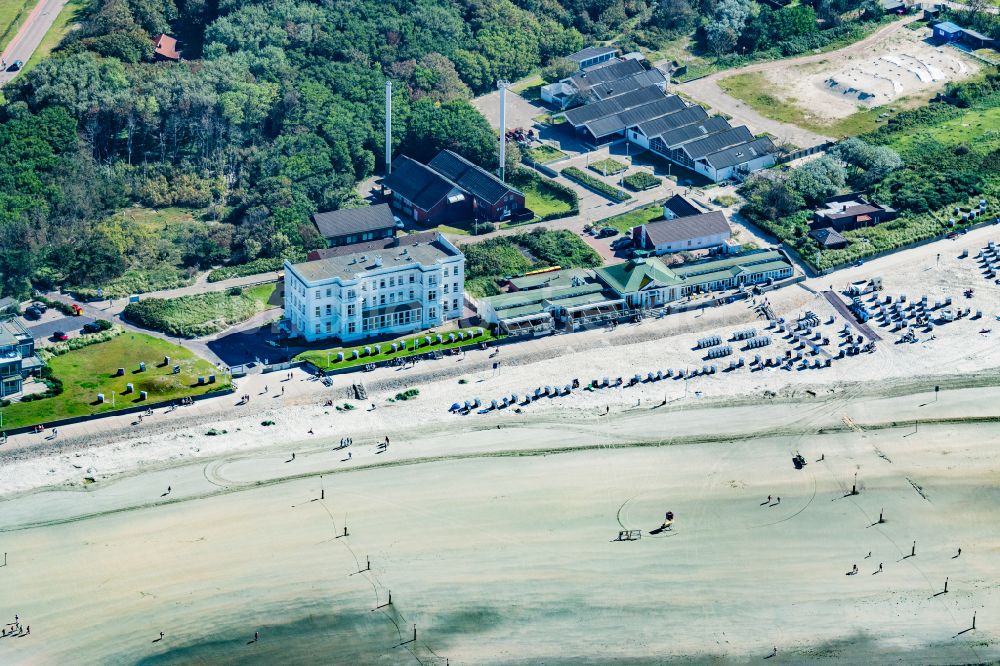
(60, 336)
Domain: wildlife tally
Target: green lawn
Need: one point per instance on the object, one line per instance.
(547, 119)
(88, 371)
(751, 88)
(202, 314)
(12, 15)
(607, 167)
(320, 357)
(529, 88)
(633, 218)
(544, 153)
(543, 196)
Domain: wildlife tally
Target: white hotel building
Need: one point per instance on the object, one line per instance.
(392, 287)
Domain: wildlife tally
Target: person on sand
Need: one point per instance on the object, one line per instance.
(769, 498)
(868, 555)
(880, 567)
(855, 568)
(168, 490)
(777, 500)
(959, 553)
(161, 635)
(256, 636)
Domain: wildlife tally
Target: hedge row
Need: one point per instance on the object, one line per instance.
(595, 184)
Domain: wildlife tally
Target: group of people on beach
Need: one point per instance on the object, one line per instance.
(14, 629)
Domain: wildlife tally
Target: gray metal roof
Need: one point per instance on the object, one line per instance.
(681, 207)
(612, 70)
(350, 266)
(584, 114)
(618, 122)
(671, 121)
(687, 228)
(651, 77)
(693, 131)
(471, 178)
(591, 52)
(741, 153)
(713, 143)
(418, 183)
(373, 246)
(354, 220)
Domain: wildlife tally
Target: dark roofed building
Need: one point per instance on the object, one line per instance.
(692, 131)
(678, 206)
(829, 239)
(850, 211)
(645, 79)
(691, 232)
(425, 195)
(592, 55)
(356, 225)
(450, 189)
(486, 187)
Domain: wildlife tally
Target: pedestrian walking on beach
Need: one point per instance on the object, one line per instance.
(168, 490)
(868, 555)
(282, 390)
(769, 498)
(161, 635)
(293, 453)
(880, 567)
(959, 553)
(774, 651)
(777, 500)
(265, 388)
(256, 636)
(855, 568)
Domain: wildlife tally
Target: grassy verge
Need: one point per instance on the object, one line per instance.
(752, 88)
(410, 345)
(548, 119)
(12, 15)
(268, 265)
(201, 314)
(544, 153)
(88, 371)
(68, 16)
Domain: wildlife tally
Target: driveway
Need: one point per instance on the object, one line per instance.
(68, 325)
(30, 35)
(706, 90)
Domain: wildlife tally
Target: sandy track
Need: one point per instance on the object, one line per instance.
(707, 91)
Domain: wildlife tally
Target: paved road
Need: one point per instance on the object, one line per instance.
(707, 91)
(27, 39)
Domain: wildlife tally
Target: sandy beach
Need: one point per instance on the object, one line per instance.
(496, 532)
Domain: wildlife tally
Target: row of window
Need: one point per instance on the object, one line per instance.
(392, 319)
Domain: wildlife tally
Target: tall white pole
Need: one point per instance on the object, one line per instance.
(388, 127)
(502, 85)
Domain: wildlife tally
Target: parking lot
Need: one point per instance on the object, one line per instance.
(50, 322)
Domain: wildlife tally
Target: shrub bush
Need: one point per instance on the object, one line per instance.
(640, 180)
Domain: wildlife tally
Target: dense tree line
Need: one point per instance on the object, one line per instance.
(274, 112)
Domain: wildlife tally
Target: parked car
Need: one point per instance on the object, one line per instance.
(92, 327)
(15, 66)
(607, 232)
(32, 312)
(859, 262)
(620, 243)
(60, 336)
